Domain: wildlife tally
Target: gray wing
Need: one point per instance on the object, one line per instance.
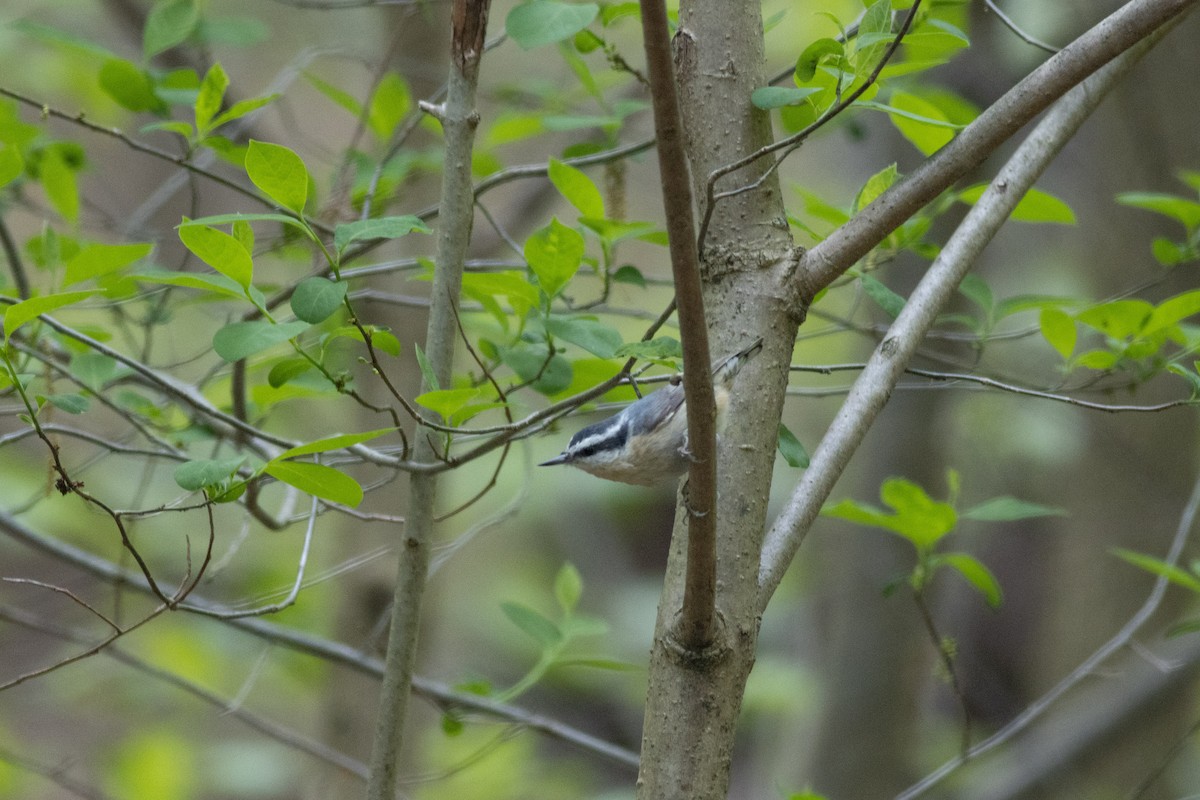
(656, 409)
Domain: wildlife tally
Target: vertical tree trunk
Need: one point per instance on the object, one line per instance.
(694, 699)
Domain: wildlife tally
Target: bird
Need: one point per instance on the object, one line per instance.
(647, 442)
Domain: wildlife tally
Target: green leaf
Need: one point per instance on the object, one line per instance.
(17, 315)
(12, 166)
(920, 121)
(168, 24)
(543, 631)
(1172, 311)
(389, 103)
(239, 340)
(661, 348)
(543, 22)
(592, 335)
(916, 516)
(58, 181)
(1177, 208)
(554, 254)
(825, 49)
(568, 587)
(627, 273)
(1035, 206)
(427, 374)
(241, 108)
(318, 480)
(769, 97)
(279, 173)
(791, 449)
(130, 85)
(95, 260)
(885, 298)
(1007, 509)
(876, 185)
(976, 574)
(316, 298)
(220, 251)
(70, 403)
(218, 284)
(209, 98)
(338, 442)
(1119, 319)
(1059, 330)
(548, 376)
(93, 370)
(378, 228)
(577, 188)
(1174, 574)
(286, 369)
(448, 402)
(339, 96)
(195, 475)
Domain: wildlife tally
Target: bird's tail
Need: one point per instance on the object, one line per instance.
(725, 370)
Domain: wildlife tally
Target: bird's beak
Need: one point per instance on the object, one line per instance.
(561, 458)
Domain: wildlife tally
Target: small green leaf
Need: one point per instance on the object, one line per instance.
(93, 370)
(1177, 208)
(316, 298)
(825, 49)
(217, 284)
(318, 480)
(209, 98)
(630, 274)
(220, 251)
(279, 173)
(543, 631)
(546, 375)
(427, 373)
(885, 298)
(917, 517)
(791, 449)
(17, 315)
(592, 335)
(234, 219)
(195, 475)
(448, 402)
(12, 166)
(286, 369)
(554, 254)
(168, 24)
(96, 259)
(389, 103)
(1171, 311)
(1119, 319)
(242, 108)
(1174, 574)
(377, 228)
(239, 340)
(70, 403)
(769, 97)
(1059, 330)
(661, 348)
(568, 587)
(543, 22)
(976, 574)
(58, 181)
(338, 442)
(130, 85)
(577, 188)
(876, 185)
(1035, 206)
(919, 121)
(1007, 509)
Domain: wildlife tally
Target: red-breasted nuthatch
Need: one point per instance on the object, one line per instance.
(647, 443)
